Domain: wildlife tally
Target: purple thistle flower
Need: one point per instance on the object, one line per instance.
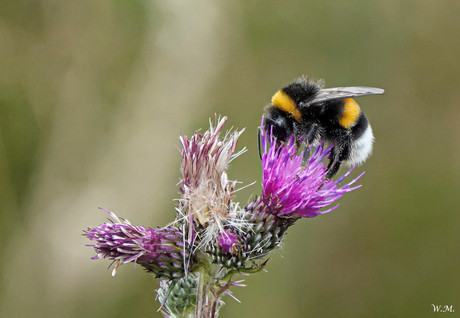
(293, 190)
(289, 191)
(228, 242)
(160, 251)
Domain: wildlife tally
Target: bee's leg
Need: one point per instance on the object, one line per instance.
(258, 142)
(339, 153)
(309, 138)
(332, 160)
(333, 168)
(305, 156)
(311, 134)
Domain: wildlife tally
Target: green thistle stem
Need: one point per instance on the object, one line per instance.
(206, 299)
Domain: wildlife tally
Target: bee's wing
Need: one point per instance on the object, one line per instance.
(327, 94)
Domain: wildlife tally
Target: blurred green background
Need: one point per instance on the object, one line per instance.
(94, 94)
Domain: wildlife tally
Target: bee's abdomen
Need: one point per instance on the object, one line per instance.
(350, 114)
(362, 141)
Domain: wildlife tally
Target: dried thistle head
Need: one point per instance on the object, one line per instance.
(207, 192)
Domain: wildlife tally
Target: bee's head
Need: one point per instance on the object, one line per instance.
(278, 120)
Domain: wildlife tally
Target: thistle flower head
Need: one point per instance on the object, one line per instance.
(207, 192)
(178, 298)
(293, 190)
(160, 251)
(228, 242)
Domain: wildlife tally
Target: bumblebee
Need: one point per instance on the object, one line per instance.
(312, 114)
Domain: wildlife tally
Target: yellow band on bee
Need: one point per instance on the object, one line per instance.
(350, 115)
(286, 104)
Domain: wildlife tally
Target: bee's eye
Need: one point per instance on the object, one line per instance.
(281, 125)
